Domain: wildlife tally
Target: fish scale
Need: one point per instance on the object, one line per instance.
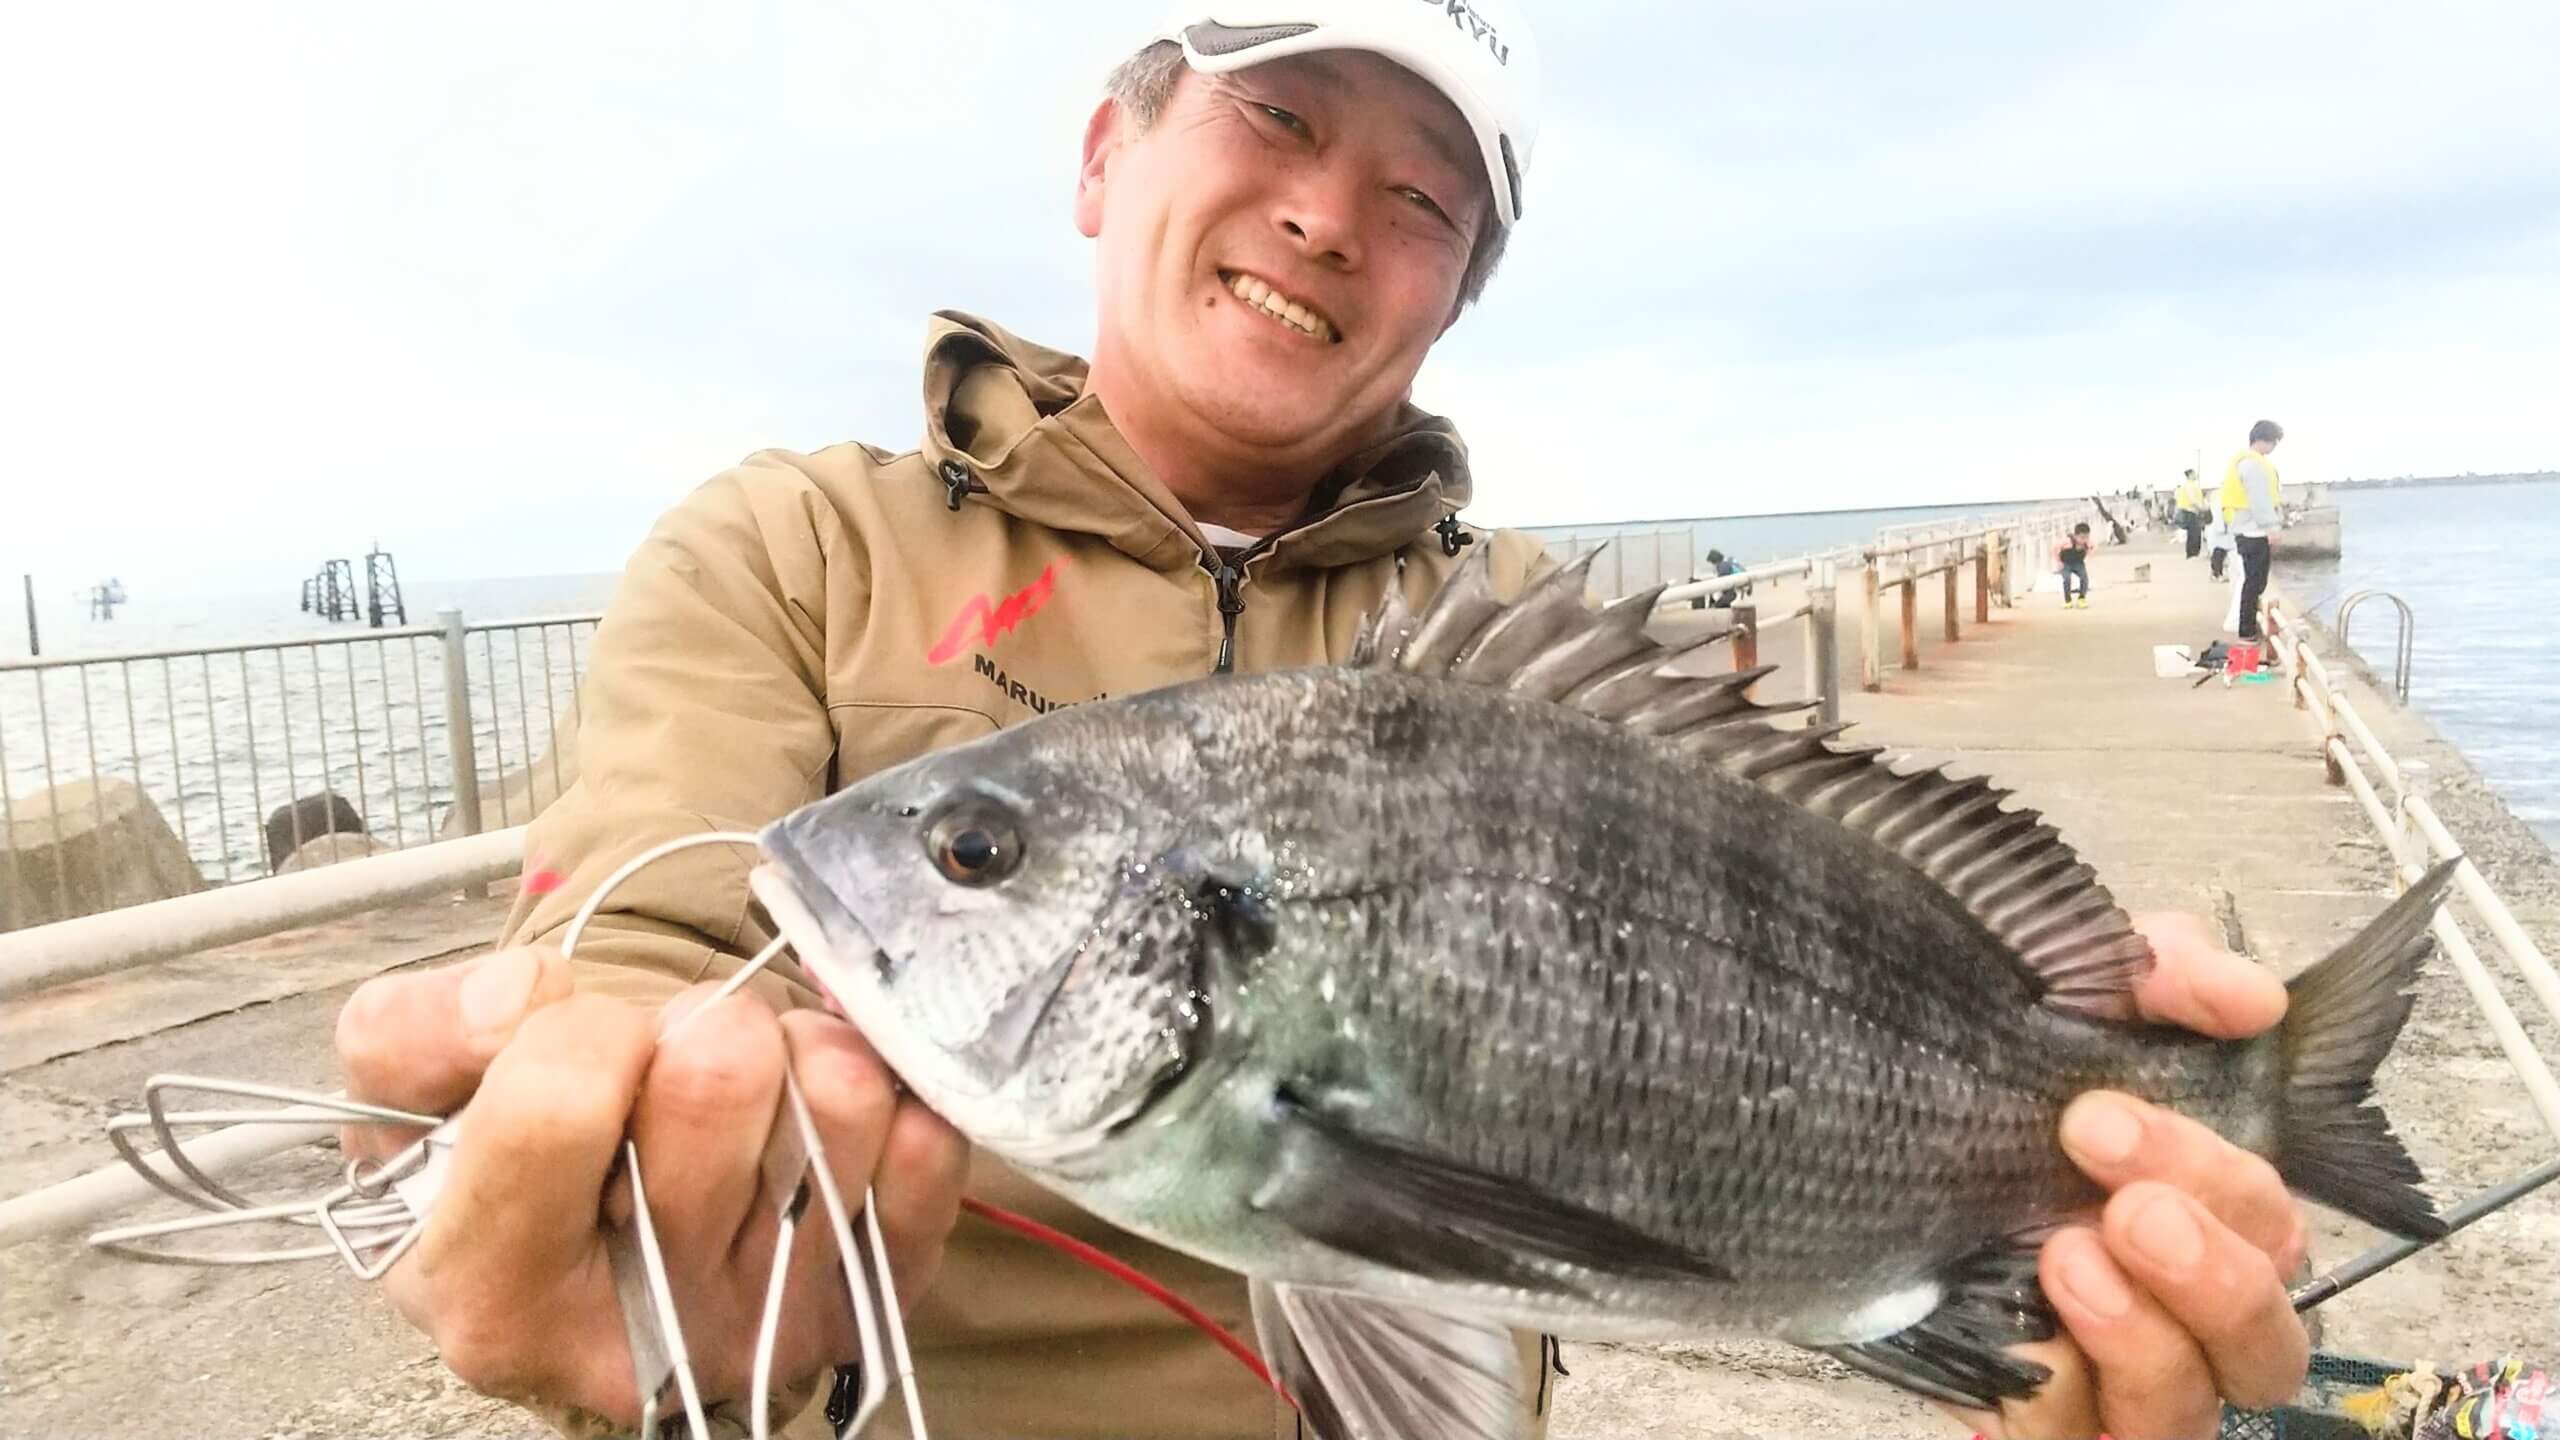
(1807, 1188)
(1507, 978)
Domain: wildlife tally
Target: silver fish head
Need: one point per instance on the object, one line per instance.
(989, 918)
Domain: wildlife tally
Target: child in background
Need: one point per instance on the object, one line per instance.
(2075, 564)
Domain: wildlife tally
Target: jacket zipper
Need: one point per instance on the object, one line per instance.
(1230, 580)
(1229, 576)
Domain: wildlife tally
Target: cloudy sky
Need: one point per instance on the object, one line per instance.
(495, 283)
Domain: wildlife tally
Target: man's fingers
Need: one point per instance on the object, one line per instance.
(2197, 985)
(421, 1041)
(850, 1094)
(923, 1169)
(703, 1117)
(542, 1133)
(2152, 1381)
(2119, 1141)
(508, 1276)
(2214, 1285)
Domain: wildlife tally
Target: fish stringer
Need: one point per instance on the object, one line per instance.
(372, 1217)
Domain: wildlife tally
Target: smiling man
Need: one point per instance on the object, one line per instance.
(1289, 204)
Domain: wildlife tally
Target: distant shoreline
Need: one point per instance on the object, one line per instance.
(2414, 482)
(1796, 514)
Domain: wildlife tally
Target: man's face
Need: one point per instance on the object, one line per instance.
(1338, 189)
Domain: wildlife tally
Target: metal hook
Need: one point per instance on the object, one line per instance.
(377, 1211)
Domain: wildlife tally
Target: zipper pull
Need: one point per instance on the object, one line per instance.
(1230, 605)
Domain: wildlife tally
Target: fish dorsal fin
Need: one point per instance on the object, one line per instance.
(2008, 867)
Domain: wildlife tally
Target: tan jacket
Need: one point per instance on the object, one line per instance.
(805, 620)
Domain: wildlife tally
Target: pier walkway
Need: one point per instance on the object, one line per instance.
(2208, 799)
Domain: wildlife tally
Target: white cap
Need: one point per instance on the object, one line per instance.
(1477, 52)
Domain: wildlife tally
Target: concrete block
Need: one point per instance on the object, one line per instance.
(294, 826)
(328, 849)
(87, 846)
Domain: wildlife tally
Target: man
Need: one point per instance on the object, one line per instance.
(2190, 502)
(1288, 209)
(1720, 565)
(2252, 504)
(2075, 566)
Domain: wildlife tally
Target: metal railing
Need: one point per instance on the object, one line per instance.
(1637, 558)
(224, 739)
(2408, 824)
(1911, 551)
(1906, 555)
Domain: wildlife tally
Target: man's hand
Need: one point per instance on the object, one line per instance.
(510, 1278)
(2174, 1300)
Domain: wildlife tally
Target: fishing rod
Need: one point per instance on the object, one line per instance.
(2391, 1252)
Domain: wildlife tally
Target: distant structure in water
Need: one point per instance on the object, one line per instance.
(104, 598)
(331, 594)
(382, 588)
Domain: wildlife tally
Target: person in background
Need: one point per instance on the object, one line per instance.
(2191, 516)
(2075, 565)
(2217, 540)
(2115, 527)
(1719, 564)
(2253, 506)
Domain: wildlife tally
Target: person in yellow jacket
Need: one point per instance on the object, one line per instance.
(2191, 513)
(2252, 505)
(1288, 208)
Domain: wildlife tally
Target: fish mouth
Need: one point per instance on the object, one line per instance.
(831, 945)
(852, 971)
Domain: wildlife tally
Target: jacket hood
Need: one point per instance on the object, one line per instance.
(1011, 419)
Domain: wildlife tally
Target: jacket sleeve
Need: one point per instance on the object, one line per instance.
(2260, 488)
(703, 708)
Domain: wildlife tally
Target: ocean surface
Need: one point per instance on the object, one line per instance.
(220, 742)
(2479, 566)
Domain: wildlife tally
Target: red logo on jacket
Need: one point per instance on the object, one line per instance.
(983, 620)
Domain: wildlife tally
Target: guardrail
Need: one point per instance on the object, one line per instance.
(1898, 557)
(1989, 548)
(68, 950)
(1636, 558)
(219, 737)
(2409, 826)
(71, 950)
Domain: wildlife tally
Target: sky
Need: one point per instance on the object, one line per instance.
(494, 284)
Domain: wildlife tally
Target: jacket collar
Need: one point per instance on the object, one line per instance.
(1012, 417)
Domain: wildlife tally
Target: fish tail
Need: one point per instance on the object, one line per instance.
(2332, 1143)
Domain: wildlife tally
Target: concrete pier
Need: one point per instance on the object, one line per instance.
(2208, 799)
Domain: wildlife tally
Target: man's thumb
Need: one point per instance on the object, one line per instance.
(421, 1041)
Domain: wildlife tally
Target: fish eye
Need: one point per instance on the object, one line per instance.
(974, 843)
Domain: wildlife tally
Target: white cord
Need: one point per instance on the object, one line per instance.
(632, 866)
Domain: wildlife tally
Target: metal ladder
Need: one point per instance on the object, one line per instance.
(2403, 646)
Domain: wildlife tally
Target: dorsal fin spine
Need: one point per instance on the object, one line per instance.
(2008, 868)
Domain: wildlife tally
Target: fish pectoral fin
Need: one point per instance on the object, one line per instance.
(1363, 1369)
(1424, 1213)
(1958, 1353)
